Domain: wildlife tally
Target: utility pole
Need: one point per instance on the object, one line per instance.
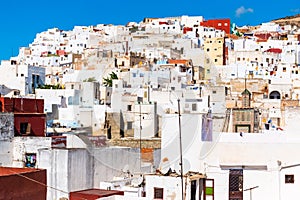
(140, 137)
(180, 143)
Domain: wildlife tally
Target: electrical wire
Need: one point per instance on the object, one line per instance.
(41, 183)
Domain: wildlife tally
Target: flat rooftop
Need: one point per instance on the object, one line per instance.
(92, 194)
(6, 171)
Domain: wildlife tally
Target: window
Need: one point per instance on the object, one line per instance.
(17, 92)
(238, 59)
(207, 49)
(243, 116)
(284, 69)
(194, 107)
(214, 92)
(72, 86)
(237, 116)
(129, 107)
(139, 99)
(25, 128)
(158, 193)
(248, 116)
(289, 178)
(70, 100)
(129, 125)
(216, 60)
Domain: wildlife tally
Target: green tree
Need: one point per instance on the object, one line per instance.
(108, 80)
(91, 79)
(54, 87)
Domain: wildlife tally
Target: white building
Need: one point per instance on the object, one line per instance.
(236, 162)
(24, 78)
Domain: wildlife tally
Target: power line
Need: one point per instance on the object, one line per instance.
(41, 183)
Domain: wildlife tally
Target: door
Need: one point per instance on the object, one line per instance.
(235, 184)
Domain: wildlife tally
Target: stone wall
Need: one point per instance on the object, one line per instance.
(289, 103)
(136, 143)
(6, 126)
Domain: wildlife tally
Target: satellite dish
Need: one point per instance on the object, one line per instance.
(137, 181)
(125, 169)
(164, 166)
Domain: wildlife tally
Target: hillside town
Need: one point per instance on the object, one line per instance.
(167, 108)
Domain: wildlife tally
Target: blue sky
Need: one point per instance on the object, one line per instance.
(21, 20)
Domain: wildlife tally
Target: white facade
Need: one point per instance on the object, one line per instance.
(67, 169)
(263, 157)
(20, 77)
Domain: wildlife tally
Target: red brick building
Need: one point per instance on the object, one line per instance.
(220, 24)
(23, 183)
(29, 116)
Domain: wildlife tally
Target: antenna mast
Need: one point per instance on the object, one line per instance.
(180, 143)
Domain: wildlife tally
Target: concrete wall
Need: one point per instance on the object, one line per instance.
(54, 97)
(67, 169)
(257, 154)
(109, 162)
(144, 117)
(266, 150)
(171, 186)
(6, 153)
(23, 145)
(191, 125)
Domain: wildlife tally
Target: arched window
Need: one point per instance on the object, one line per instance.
(274, 95)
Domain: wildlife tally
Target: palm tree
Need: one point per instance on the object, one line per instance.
(108, 80)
